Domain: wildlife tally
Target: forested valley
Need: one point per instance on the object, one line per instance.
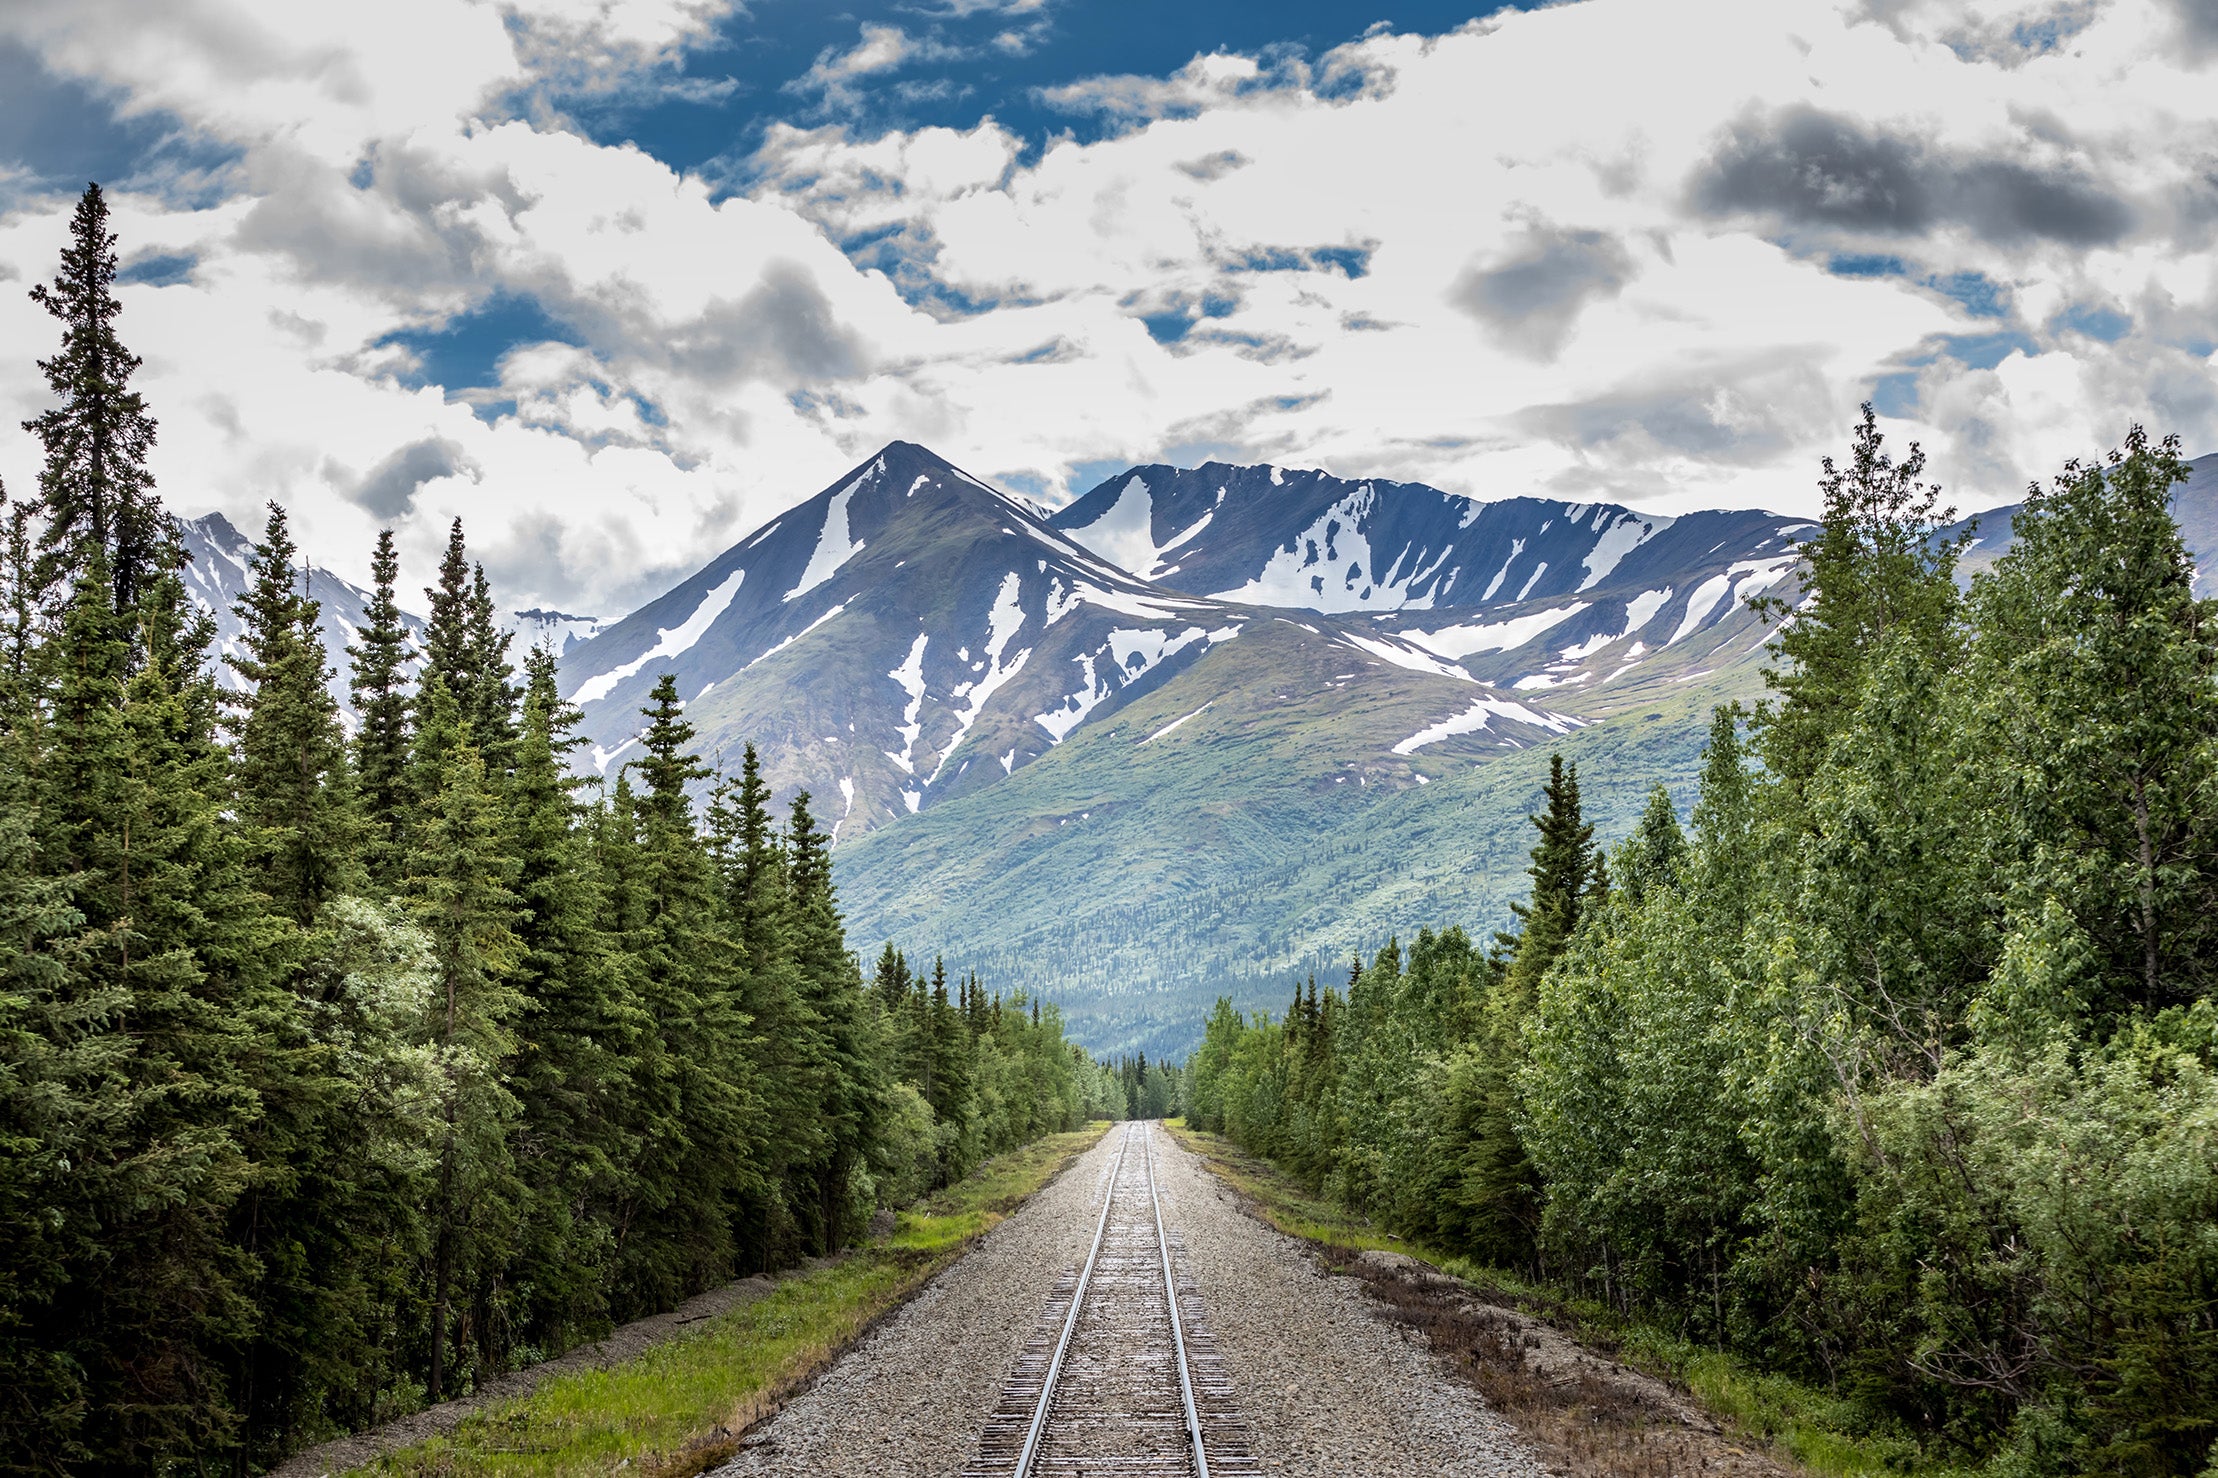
(1895, 1072)
(339, 1072)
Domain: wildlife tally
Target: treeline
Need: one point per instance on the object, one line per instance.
(1897, 1074)
(338, 1072)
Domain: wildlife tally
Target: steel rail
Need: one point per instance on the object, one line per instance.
(1178, 1326)
(1070, 1321)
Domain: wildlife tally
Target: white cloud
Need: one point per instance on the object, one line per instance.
(1577, 271)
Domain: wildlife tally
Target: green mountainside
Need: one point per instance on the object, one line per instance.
(1246, 850)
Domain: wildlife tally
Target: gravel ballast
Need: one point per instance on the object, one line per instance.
(1326, 1384)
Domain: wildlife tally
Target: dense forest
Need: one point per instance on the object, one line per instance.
(1897, 1073)
(341, 1070)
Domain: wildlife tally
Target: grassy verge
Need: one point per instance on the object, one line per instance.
(1802, 1427)
(680, 1408)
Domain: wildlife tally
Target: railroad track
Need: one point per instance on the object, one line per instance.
(1121, 1376)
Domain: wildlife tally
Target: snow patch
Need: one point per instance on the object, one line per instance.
(1072, 712)
(789, 641)
(1621, 538)
(1478, 716)
(1642, 608)
(1002, 622)
(1516, 547)
(671, 641)
(910, 674)
(601, 756)
(1701, 603)
(1332, 567)
(1495, 636)
(1174, 723)
(832, 546)
(1125, 534)
(1402, 656)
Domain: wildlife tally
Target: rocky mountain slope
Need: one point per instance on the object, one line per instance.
(910, 636)
(1057, 751)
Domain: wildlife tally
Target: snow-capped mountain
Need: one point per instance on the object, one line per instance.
(911, 635)
(1267, 536)
(217, 576)
(1528, 593)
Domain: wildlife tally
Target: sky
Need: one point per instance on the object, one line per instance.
(617, 281)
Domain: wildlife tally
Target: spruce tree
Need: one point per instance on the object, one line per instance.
(58, 1052)
(449, 652)
(2100, 667)
(492, 716)
(579, 1032)
(787, 1050)
(700, 1157)
(1495, 1193)
(19, 620)
(458, 878)
(96, 492)
(174, 955)
(1652, 855)
(295, 795)
(848, 1087)
(379, 686)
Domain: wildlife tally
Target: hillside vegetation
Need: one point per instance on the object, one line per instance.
(1900, 1074)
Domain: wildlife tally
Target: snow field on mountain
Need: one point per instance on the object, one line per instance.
(910, 675)
(1621, 534)
(671, 641)
(1495, 636)
(1331, 567)
(1003, 622)
(1478, 716)
(832, 546)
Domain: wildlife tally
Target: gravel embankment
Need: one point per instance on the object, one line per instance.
(1327, 1386)
(910, 1400)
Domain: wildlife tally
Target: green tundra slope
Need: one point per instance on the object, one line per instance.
(1271, 832)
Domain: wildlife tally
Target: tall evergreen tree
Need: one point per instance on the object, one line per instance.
(458, 883)
(492, 716)
(2099, 664)
(295, 794)
(449, 653)
(379, 685)
(175, 955)
(581, 1027)
(699, 1153)
(19, 620)
(848, 1087)
(96, 492)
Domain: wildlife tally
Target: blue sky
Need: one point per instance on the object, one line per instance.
(618, 280)
(970, 61)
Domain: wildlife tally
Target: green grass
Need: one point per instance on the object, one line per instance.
(1817, 1432)
(681, 1407)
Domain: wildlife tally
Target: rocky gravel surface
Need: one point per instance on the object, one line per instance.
(1326, 1384)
